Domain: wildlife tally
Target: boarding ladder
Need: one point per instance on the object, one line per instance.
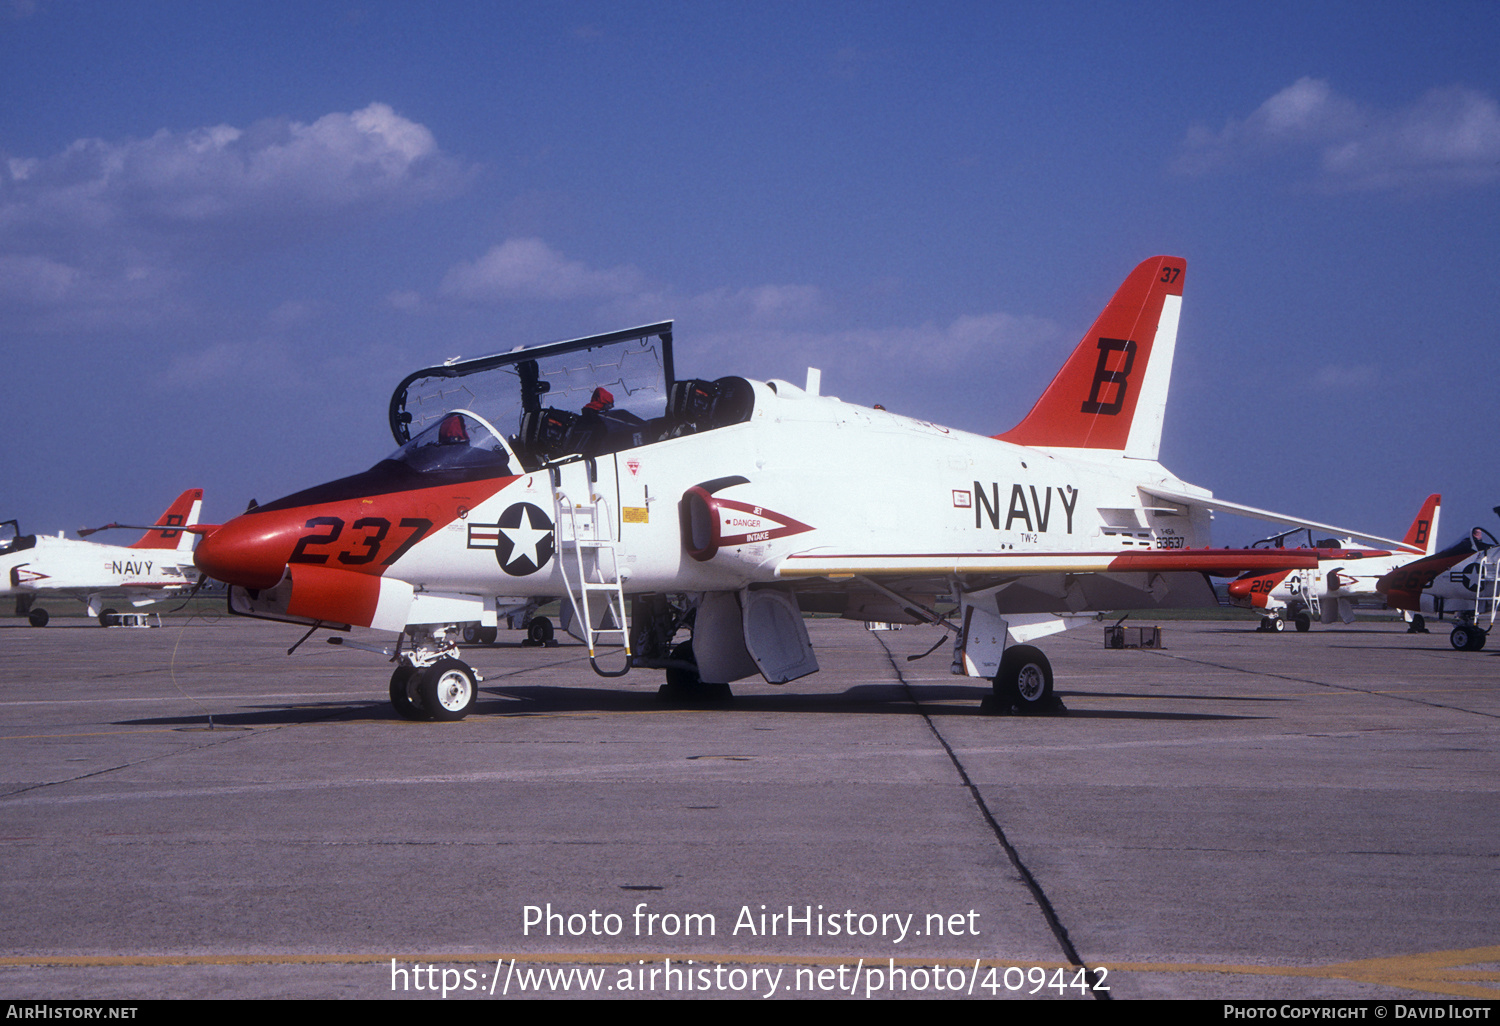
(1308, 586)
(583, 526)
(1487, 587)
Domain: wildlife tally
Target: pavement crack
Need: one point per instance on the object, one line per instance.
(1054, 923)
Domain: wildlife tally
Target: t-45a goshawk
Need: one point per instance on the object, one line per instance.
(729, 508)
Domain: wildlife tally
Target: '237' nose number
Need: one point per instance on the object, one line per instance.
(363, 550)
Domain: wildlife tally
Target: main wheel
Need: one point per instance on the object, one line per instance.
(37, 617)
(1025, 680)
(685, 687)
(404, 697)
(106, 616)
(448, 689)
(1468, 638)
(539, 630)
(679, 677)
(1304, 622)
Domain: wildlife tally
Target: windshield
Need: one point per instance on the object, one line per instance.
(460, 440)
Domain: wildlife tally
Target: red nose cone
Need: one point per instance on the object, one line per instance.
(250, 551)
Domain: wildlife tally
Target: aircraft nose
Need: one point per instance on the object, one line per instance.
(250, 551)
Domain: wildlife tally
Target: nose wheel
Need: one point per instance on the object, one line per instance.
(445, 690)
(404, 697)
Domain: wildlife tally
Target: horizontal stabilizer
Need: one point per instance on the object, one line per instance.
(1222, 506)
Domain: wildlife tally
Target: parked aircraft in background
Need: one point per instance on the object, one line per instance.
(1462, 581)
(728, 508)
(35, 567)
(1344, 579)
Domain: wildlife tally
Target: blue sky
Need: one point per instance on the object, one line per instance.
(228, 229)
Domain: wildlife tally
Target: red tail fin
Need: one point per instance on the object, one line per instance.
(1112, 392)
(1422, 535)
(182, 513)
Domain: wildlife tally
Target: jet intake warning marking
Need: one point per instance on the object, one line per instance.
(522, 540)
(1035, 515)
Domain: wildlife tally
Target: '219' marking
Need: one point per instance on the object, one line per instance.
(365, 548)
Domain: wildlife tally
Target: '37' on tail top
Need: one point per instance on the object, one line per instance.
(1112, 393)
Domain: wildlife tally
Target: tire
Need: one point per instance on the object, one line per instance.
(37, 617)
(106, 616)
(1025, 679)
(539, 630)
(471, 633)
(684, 686)
(1459, 639)
(448, 689)
(1304, 623)
(404, 697)
(1277, 624)
(680, 679)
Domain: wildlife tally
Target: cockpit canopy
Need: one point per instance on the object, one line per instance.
(11, 538)
(588, 397)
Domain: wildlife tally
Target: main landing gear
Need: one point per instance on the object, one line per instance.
(1024, 685)
(684, 686)
(1467, 637)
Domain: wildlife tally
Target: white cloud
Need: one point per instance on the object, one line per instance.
(530, 269)
(35, 280)
(1346, 376)
(122, 217)
(405, 300)
(969, 368)
(181, 182)
(1447, 136)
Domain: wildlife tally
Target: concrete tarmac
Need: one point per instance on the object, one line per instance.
(1239, 815)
